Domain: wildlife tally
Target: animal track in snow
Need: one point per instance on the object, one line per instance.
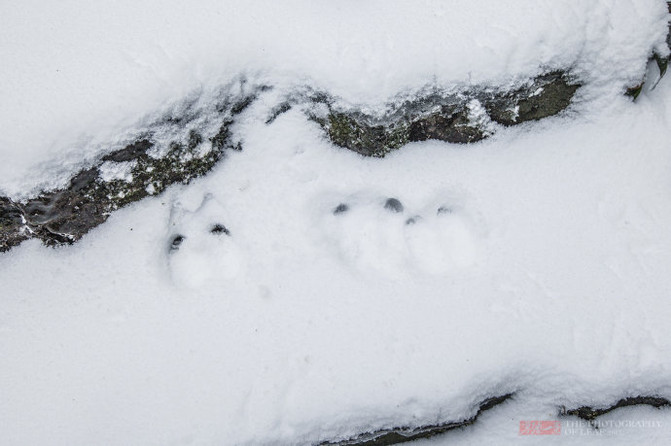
(200, 247)
(388, 234)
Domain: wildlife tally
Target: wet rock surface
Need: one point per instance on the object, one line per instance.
(546, 96)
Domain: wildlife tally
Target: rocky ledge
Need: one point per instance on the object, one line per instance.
(187, 141)
(398, 435)
(391, 436)
(458, 117)
(588, 413)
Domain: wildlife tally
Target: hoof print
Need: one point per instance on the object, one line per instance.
(393, 205)
(444, 210)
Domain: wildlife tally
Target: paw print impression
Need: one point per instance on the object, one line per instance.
(387, 234)
(201, 248)
(444, 238)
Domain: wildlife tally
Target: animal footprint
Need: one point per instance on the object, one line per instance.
(201, 248)
(442, 241)
(386, 235)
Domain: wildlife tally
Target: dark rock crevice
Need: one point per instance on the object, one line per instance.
(588, 413)
(392, 436)
(387, 437)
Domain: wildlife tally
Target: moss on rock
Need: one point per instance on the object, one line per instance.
(370, 140)
(546, 96)
(445, 117)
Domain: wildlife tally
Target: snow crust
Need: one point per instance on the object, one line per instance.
(536, 262)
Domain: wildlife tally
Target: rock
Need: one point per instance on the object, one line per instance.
(130, 152)
(461, 118)
(546, 96)
(63, 216)
(633, 91)
(391, 436)
(279, 110)
(451, 125)
(387, 437)
(12, 227)
(10, 215)
(589, 414)
(364, 138)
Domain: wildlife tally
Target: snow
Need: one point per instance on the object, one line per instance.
(477, 116)
(110, 170)
(537, 262)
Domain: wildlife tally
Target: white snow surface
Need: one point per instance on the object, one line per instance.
(110, 170)
(537, 262)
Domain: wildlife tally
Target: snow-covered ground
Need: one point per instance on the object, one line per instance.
(534, 262)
